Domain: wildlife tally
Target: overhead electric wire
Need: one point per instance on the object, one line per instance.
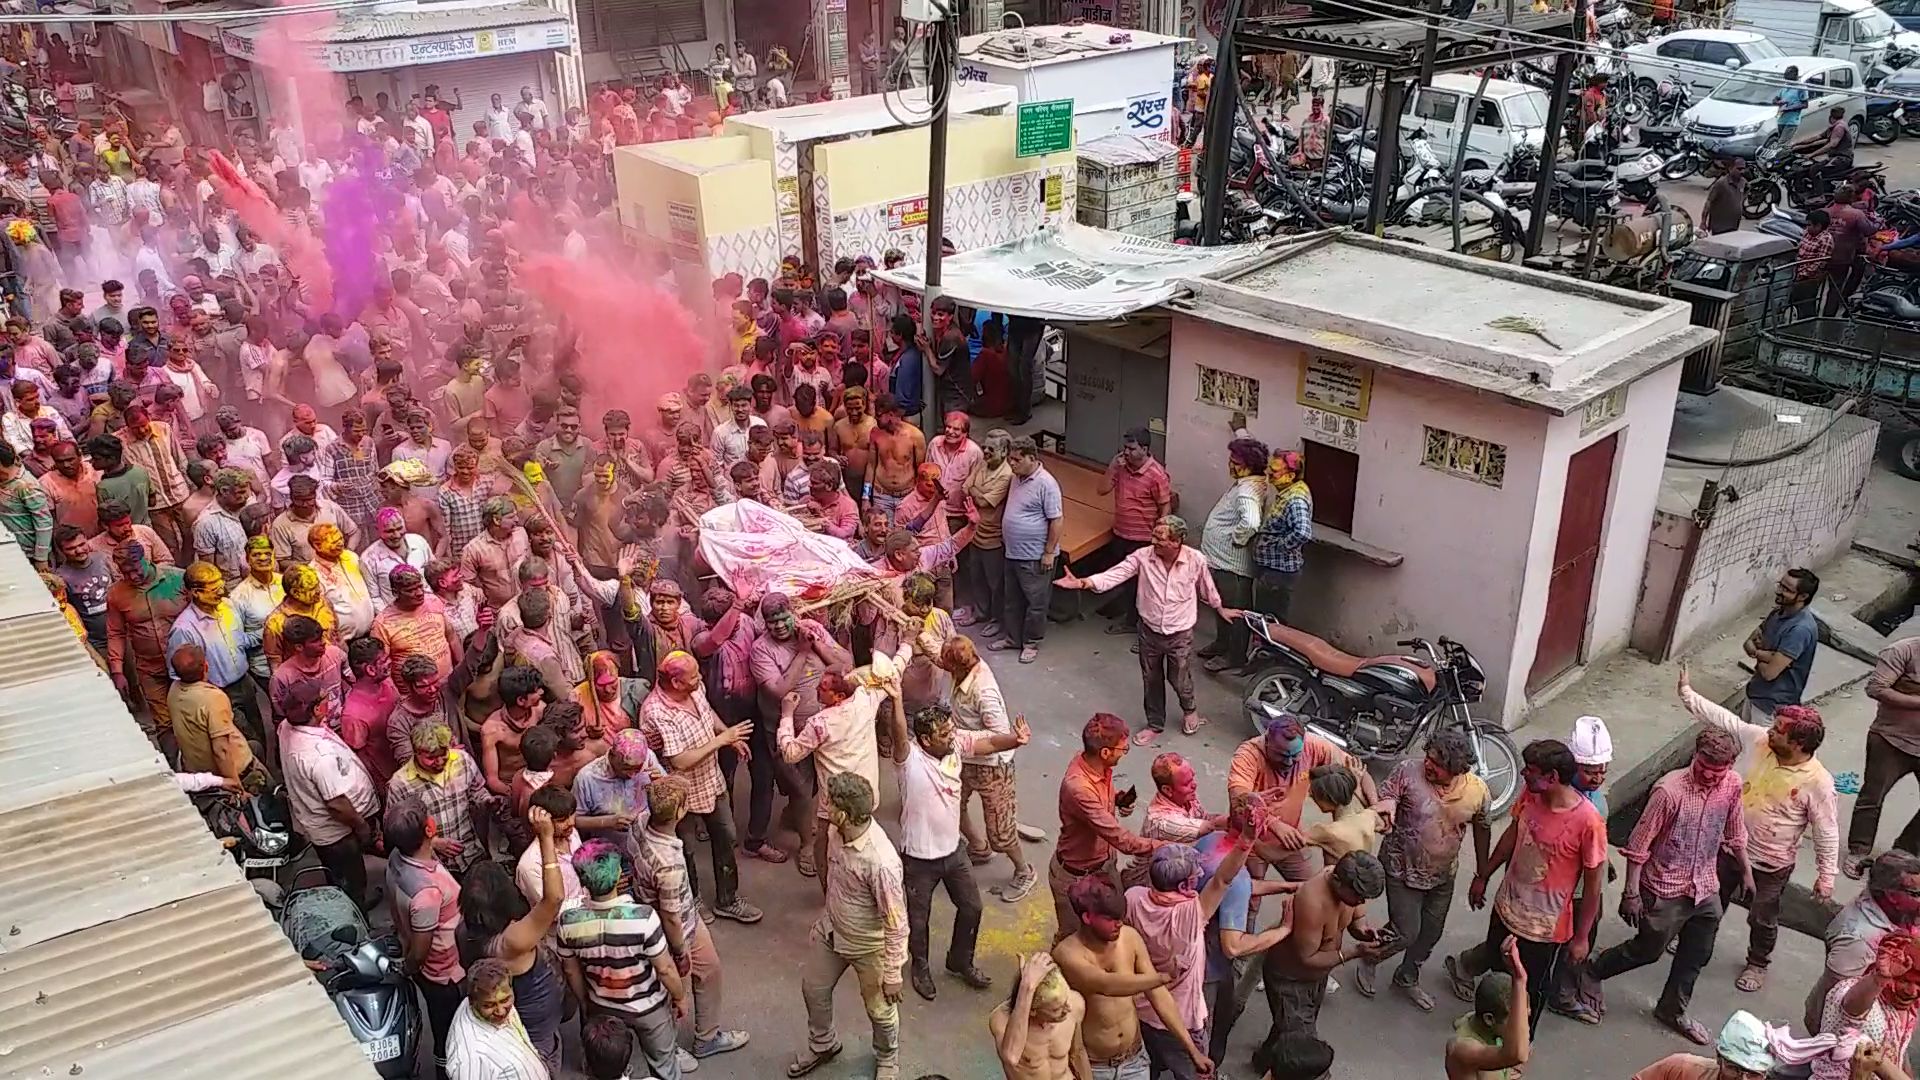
(1552, 44)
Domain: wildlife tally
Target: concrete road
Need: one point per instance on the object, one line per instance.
(1081, 671)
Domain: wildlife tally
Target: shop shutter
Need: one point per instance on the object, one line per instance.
(626, 26)
(472, 83)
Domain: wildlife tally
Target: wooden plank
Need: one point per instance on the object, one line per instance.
(1086, 522)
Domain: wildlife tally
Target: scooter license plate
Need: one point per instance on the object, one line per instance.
(387, 1046)
(263, 863)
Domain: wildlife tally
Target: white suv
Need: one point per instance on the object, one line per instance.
(1701, 58)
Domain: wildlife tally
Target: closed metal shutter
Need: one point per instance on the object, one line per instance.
(468, 85)
(625, 25)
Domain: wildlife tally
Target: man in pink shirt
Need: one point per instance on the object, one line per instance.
(1171, 912)
(834, 509)
(1787, 794)
(956, 453)
(1142, 495)
(1173, 581)
(1673, 875)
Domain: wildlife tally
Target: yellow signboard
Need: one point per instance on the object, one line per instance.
(1336, 384)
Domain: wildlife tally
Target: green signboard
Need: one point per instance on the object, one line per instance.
(1044, 127)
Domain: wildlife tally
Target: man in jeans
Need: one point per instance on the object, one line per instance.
(931, 850)
(1142, 495)
(683, 729)
(1279, 548)
(1030, 532)
(1225, 540)
(426, 910)
(1673, 875)
(1893, 750)
(1782, 648)
(1173, 582)
(614, 953)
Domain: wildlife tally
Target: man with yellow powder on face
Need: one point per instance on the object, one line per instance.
(211, 623)
(341, 581)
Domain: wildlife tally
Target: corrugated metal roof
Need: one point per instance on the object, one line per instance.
(132, 946)
(370, 27)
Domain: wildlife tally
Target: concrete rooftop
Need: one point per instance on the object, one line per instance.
(1428, 312)
(1039, 46)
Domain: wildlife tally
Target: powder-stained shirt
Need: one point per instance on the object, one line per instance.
(492, 564)
(979, 706)
(1137, 498)
(319, 766)
(615, 941)
(866, 900)
(1422, 848)
(1782, 802)
(426, 899)
(420, 632)
(1174, 929)
(1090, 831)
(454, 796)
(161, 457)
(842, 739)
(1552, 850)
(672, 728)
(1033, 502)
(661, 879)
(1230, 527)
(955, 467)
(1167, 595)
(1174, 822)
(987, 486)
(1892, 1029)
(1286, 793)
(1682, 831)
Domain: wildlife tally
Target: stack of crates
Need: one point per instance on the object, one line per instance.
(1128, 184)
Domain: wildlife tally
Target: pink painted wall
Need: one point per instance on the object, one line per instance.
(1477, 560)
(1465, 544)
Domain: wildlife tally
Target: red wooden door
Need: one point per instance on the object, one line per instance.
(1576, 555)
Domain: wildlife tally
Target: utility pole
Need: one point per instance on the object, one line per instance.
(1216, 139)
(941, 20)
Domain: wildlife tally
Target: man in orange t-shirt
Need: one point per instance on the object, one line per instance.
(1276, 765)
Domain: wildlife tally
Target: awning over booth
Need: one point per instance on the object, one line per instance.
(1075, 273)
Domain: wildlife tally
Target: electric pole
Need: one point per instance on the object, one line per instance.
(942, 42)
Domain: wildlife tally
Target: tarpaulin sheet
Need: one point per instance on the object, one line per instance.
(1074, 273)
(758, 549)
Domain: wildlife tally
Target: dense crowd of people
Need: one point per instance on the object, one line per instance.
(381, 551)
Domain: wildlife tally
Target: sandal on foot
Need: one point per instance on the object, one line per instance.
(1145, 736)
(1002, 645)
(803, 862)
(1217, 665)
(1191, 723)
(1687, 1027)
(1855, 866)
(1462, 986)
(765, 853)
(1029, 654)
(1363, 979)
(811, 1060)
(1416, 994)
(1751, 979)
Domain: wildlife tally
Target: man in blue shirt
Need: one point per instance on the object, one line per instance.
(1782, 647)
(1792, 101)
(906, 366)
(1231, 974)
(1030, 533)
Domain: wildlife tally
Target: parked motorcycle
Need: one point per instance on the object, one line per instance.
(1382, 707)
(1802, 181)
(258, 829)
(1882, 123)
(361, 974)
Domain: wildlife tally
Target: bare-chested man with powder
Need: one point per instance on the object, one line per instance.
(898, 450)
(1038, 1032)
(851, 440)
(1107, 961)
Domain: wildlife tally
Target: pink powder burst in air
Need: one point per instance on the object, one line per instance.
(298, 248)
(636, 339)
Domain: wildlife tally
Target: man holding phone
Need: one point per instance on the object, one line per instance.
(1090, 813)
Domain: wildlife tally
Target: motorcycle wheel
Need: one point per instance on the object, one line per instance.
(1881, 130)
(1282, 685)
(1499, 766)
(1681, 167)
(1763, 194)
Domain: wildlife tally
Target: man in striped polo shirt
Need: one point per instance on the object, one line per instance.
(615, 955)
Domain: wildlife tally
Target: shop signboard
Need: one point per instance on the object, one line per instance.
(1043, 127)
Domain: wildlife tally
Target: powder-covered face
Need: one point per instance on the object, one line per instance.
(1183, 785)
(495, 1006)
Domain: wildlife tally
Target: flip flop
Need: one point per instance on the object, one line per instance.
(1688, 1029)
(1192, 723)
(1363, 979)
(1751, 979)
(1146, 737)
(1855, 866)
(1416, 994)
(765, 853)
(1462, 986)
(812, 1060)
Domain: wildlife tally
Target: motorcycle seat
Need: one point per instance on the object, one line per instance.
(1587, 187)
(1586, 169)
(1335, 661)
(1890, 304)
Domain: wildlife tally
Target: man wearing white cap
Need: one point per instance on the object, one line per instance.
(1742, 1052)
(1575, 992)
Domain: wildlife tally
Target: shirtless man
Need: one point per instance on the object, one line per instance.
(520, 710)
(424, 519)
(851, 440)
(1106, 960)
(1038, 1032)
(898, 450)
(1494, 1037)
(1327, 908)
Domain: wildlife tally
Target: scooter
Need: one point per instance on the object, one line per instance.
(361, 974)
(258, 829)
(1381, 707)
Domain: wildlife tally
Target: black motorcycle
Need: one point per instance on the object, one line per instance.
(258, 829)
(1379, 708)
(1803, 181)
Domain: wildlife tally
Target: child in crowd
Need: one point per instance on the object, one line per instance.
(1332, 789)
